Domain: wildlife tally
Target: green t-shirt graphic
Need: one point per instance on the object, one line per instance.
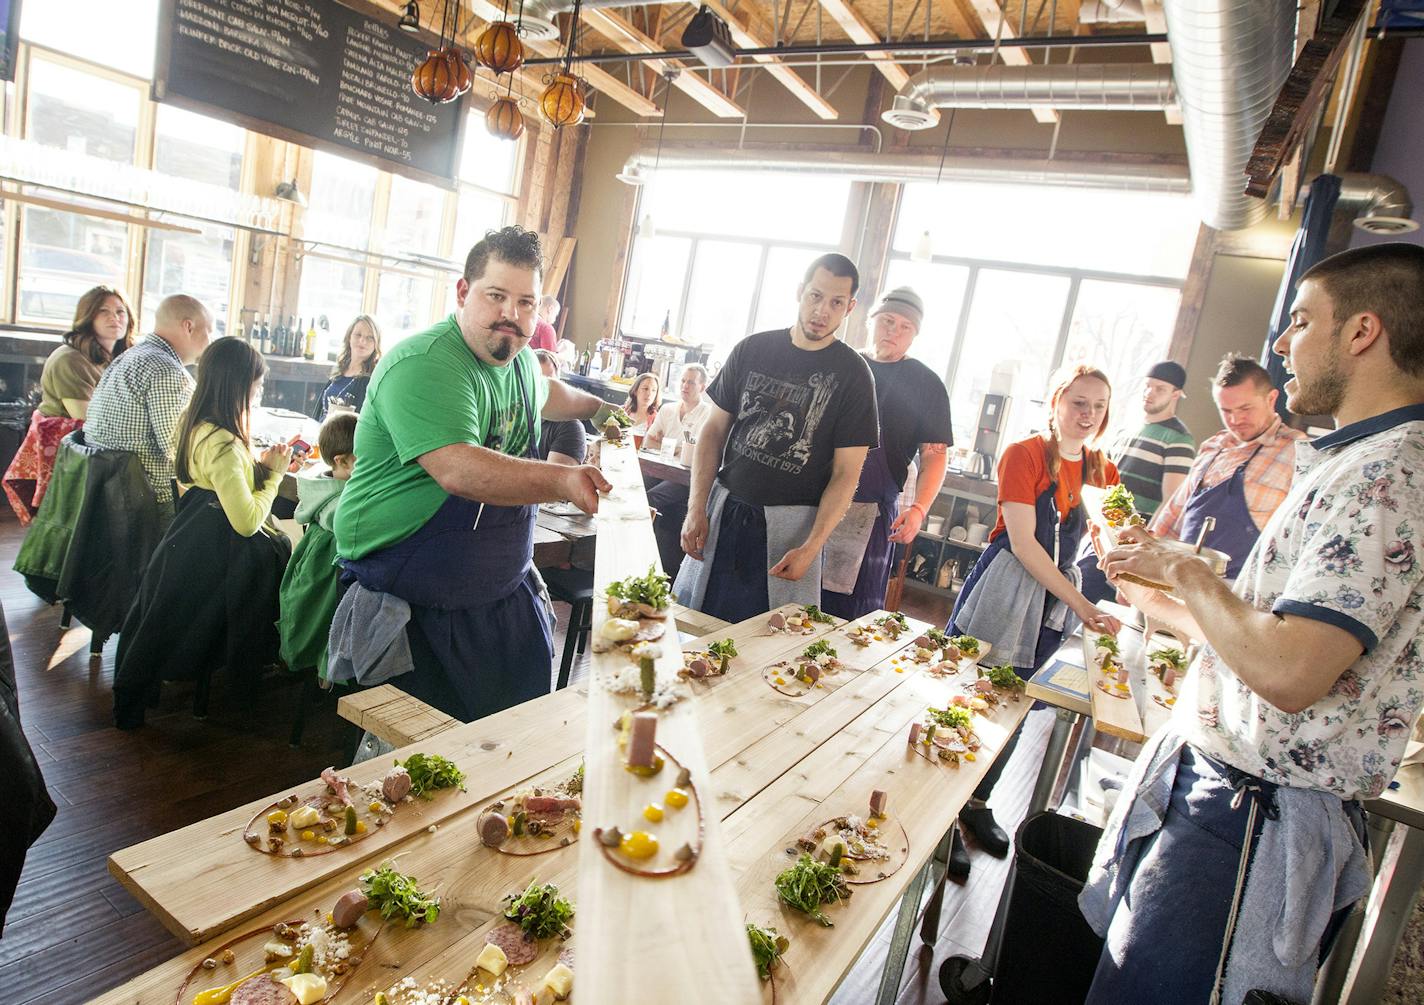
(428, 392)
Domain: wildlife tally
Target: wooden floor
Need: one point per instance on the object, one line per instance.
(73, 932)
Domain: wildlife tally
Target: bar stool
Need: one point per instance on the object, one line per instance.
(575, 588)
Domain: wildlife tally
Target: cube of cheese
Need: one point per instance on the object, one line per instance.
(492, 958)
(308, 988)
(560, 980)
(303, 817)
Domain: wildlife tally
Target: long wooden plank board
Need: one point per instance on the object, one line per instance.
(677, 938)
(1114, 713)
(925, 797)
(472, 880)
(202, 880)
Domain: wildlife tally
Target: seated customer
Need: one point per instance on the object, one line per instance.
(103, 328)
(642, 403)
(360, 352)
(310, 589)
(136, 404)
(559, 442)
(681, 419)
(209, 595)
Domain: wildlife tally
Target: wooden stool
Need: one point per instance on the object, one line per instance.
(575, 588)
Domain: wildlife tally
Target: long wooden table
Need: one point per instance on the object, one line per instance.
(778, 765)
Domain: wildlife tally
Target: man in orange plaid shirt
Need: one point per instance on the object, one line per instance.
(1242, 473)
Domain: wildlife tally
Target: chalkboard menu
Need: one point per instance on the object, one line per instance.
(311, 71)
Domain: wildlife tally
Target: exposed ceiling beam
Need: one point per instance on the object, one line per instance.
(1161, 51)
(859, 30)
(1292, 174)
(793, 82)
(628, 38)
(997, 26)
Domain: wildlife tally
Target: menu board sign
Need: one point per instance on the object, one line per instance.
(312, 71)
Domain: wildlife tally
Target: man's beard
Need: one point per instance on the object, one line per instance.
(503, 341)
(1326, 392)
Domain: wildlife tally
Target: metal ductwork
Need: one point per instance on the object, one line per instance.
(536, 17)
(1380, 203)
(1100, 87)
(865, 165)
(1230, 59)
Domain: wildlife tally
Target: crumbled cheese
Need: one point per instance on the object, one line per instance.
(628, 680)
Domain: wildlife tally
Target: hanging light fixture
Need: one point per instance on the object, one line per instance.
(923, 250)
(443, 75)
(504, 119)
(410, 20)
(646, 230)
(562, 101)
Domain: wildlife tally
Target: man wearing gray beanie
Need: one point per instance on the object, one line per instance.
(914, 418)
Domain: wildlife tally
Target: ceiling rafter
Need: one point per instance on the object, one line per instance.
(625, 36)
(854, 24)
(788, 77)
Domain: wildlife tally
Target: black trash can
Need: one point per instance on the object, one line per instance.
(1048, 953)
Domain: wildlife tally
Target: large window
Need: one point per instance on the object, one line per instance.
(119, 34)
(726, 253)
(1025, 279)
(385, 234)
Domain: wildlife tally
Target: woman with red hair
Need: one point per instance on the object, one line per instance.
(1022, 596)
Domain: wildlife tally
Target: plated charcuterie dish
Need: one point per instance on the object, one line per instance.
(637, 622)
(946, 735)
(865, 847)
(797, 677)
(801, 621)
(1112, 676)
(535, 819)
(662, 834)
(714, 661)
(1167, 664)
(334, 812)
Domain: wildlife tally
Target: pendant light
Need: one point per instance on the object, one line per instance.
(563, 101)
(646, 230)
(410, 20)
(923, 250)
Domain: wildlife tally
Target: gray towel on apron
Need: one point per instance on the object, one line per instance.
(1005, 609)
(380, 650)
(786, 528)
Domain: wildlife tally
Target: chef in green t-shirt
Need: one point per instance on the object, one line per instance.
(439, 513)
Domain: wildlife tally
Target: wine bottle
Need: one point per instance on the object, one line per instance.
(266, 337)
(254, 334)
(310, 352)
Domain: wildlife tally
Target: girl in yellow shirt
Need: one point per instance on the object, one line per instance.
(214, 446)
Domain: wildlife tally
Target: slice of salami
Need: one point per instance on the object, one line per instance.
(263, 991)
(510, 938)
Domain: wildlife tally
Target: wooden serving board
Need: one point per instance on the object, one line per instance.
(923, 796)
(1116, 716)
(203, 879)
(678, 938)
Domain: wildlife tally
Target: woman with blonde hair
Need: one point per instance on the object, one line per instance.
(360, 352)
(1022, 596)
(103, 327)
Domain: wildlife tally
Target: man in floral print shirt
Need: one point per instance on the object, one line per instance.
(1311, 674)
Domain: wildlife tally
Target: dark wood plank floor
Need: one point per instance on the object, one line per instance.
(74, 932)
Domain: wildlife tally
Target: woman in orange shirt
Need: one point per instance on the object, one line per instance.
(1023, 596)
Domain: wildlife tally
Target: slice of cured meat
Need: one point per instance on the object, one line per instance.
(262, 991)
(509, 937)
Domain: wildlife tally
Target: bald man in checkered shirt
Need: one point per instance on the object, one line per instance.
(136, 405)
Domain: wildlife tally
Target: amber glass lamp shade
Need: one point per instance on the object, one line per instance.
(498, 48)
(503, 119)
(562, 101)
(436, 79)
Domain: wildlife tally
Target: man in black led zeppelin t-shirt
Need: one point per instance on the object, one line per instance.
(793, 414)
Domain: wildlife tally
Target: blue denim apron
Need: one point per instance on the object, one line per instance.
(1060, 539)
(1235, 532)
(478, 631)
(877, 486)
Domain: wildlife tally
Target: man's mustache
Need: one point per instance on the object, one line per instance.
(508, 326)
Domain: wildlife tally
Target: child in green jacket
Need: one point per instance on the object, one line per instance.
(310, 591)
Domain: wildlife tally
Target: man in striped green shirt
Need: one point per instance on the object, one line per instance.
(1155, 460)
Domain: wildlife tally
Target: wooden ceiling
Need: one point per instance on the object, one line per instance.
(765, 23)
